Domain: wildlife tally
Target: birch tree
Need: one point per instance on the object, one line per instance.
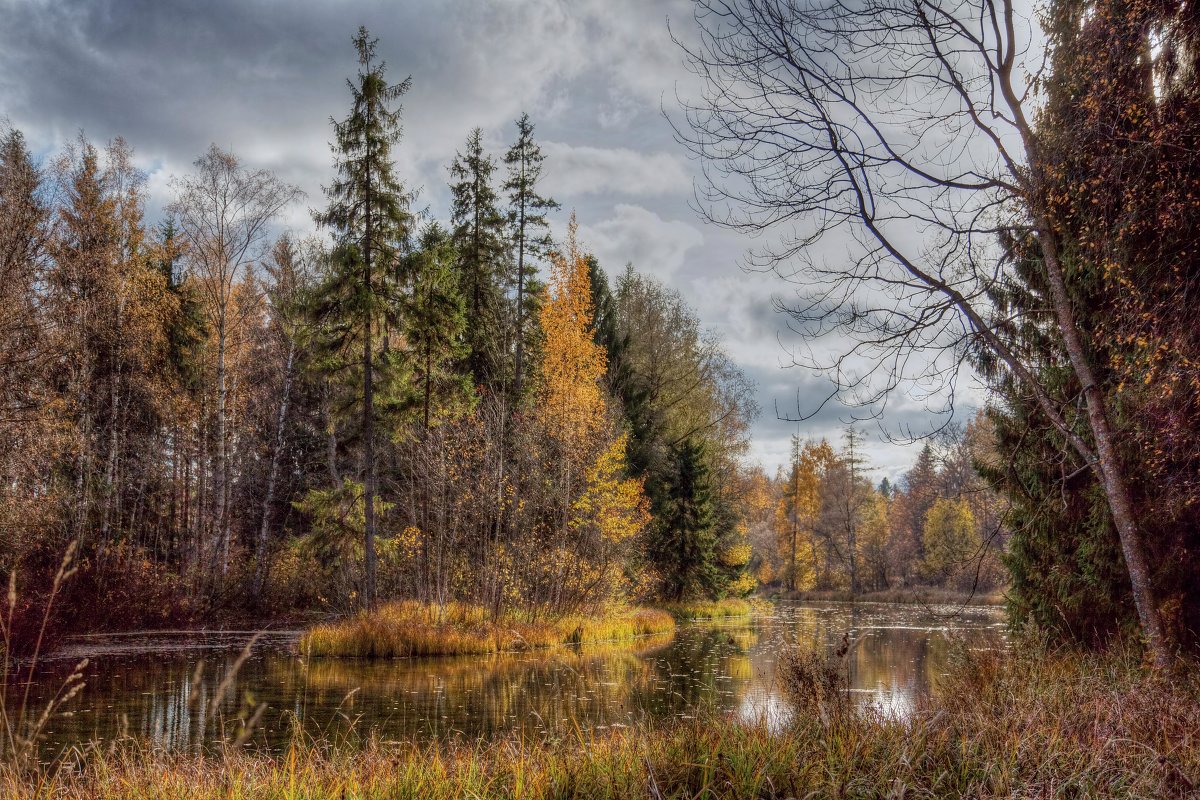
(224, 211)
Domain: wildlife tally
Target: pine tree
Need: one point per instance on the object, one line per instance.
(478, 236)
(357, 306)
(23, 445)
(1117, 127)
(529, 232)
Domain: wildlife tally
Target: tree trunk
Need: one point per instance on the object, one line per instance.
(264, 529)
(1108, 463)
(520, 365)
(218, 469)
(368, 409)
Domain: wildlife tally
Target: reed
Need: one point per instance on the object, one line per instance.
(409, 628)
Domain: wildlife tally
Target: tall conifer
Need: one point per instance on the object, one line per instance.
(530, 233)
(369, 215)
(479, 238)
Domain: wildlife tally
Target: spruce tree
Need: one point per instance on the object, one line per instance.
(685, 539)
(478, 236)
(358, 303)
(435, 327)
(529, 232)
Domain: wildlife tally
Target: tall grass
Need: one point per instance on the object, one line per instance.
(1038, 724)
(711, 609)
(409, 628)
(22, 726)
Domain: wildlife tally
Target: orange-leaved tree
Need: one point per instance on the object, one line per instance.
(571, 401)
(599, 510)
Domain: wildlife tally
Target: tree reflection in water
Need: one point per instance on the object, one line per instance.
(143, 686)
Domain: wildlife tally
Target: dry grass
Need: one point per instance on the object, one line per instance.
(408, 628)
(712, 609)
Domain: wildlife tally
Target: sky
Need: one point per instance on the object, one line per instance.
(598, 77)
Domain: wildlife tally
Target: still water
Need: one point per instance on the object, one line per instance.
(160, 686)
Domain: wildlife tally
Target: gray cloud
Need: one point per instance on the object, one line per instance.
(263, 77)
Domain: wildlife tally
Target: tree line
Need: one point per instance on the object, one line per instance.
(221, 416)
(821, 523)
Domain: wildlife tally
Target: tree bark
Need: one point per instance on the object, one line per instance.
(1107, 464)
(264, 528)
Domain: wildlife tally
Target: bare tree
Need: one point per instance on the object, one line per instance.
(904, 126)
(292, 269)
(224, 211)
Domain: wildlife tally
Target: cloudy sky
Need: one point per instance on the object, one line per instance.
(263, 77)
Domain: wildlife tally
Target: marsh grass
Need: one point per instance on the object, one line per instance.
(21, 724)
(409, 628)
(711, 609)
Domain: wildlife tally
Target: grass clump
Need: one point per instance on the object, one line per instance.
(626, 624)
(409, 628)
(711, 609)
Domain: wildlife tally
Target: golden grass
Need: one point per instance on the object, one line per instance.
(1040, 724)
(711, 609)
(409, 628)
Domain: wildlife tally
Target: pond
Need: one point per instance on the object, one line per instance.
(160, 686)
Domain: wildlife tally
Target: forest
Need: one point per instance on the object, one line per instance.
(392, 505)
(227, 419)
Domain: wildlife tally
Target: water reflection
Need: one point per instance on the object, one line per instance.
(145, 686)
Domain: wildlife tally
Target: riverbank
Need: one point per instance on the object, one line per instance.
(408, 628)
(914, 596)
(1040, 723)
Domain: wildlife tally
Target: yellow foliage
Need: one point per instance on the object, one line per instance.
(572, 404)
(737, 555)
(743, 585)
(614, 504)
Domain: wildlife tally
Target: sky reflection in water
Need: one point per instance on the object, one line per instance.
(142, 685)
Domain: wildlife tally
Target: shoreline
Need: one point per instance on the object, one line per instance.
(897, 597)
(1020, 723)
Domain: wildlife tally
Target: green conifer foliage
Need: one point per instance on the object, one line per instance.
(356, 308)
(684, 543)
(529, 233)
(478, 236)
(435, 327)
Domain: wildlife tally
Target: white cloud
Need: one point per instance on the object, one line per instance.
(639, 236)
(573, 170)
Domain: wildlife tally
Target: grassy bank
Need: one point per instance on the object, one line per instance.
(919, 596)
(408, 628)
(1042, 724)
(711, 609)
